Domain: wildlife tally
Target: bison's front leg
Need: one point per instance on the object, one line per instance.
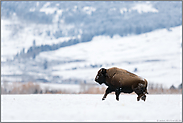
(108, 90)
(139, 96)
(117, 92)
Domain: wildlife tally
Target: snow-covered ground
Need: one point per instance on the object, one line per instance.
(84, 107)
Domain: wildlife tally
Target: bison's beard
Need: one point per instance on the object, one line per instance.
(100, 81)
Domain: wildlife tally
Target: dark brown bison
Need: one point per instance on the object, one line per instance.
(120, 80)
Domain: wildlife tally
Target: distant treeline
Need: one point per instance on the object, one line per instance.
(35, 88)
(35, 50)
(106, 17)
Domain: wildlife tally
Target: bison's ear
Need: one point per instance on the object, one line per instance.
(103, 70)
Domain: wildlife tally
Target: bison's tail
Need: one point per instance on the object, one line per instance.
(145, 85)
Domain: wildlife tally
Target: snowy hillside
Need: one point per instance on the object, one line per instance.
(90, 108)
(155, 55)
(68, 42)
(50, 23)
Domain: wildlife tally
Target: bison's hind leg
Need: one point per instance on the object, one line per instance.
(143, 97)
(140, 90)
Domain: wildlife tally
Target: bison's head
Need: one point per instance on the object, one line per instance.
(101, 76)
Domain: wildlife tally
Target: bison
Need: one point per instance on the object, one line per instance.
(120, 80)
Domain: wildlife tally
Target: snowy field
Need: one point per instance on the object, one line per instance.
(84, 107)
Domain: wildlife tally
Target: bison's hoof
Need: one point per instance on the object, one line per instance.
(103, 98)
(117, 99)
(143, 98)
(138, 98)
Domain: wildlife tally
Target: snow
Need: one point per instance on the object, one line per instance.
(144, 8)
(140, 8)
(51, 10)
(89, 10)
(84, 107)
(46, 4)
(123, 10)
(37, 4)
(75, 8)
(32, 9)
(112, 9)
(48, 10)
(25, 36)
(59, 13)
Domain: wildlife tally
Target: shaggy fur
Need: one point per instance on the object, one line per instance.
(120, 80)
